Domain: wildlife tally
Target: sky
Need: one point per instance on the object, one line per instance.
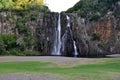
(60, 5)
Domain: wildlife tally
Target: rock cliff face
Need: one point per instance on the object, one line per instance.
(93, 39)
(46, 35)
(96, 38)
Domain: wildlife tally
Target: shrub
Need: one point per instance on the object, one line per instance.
(9, 40)
(95, 37)
(22, 29)
(34, 17)
(30, 53)
(2, 47)
(14, 51)
(102, 45)
(87, 42)
(94, 17)
(117, 28)
(117, 12)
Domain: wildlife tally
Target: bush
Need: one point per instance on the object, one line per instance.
(30, 53)
(14, 51)
(117, 12)
(102, 45)
(9, 40)
(117, 28)
(94, 17)
(34, 17)
(22, 29)
(95, 37)
(2, 47)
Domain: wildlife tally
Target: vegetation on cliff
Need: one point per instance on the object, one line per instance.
(95, 9)
(17, 35)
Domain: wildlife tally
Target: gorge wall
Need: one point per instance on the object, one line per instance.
(96, 38)
(92, 38)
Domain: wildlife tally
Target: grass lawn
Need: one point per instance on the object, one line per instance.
(106, 70)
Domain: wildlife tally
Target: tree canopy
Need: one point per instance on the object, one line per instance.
(19, 4)
(94, 9)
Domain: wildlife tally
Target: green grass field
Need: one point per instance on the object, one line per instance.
(107, 70)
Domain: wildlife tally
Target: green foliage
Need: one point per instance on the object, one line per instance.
(95, 37)
(10, 45)
(7, 42)
(117, 12)
(21, 44)
(2, 47)
(118, 28)
(87, 42)
(23, 12)
(38, 8)
(34, 17)
(19, 4)
(22, 28)
(6, 4)
(94, 17)
(25, 43)
(94, 9)
(14, 51)
(30, 53)
(103, 45)
(29, 41)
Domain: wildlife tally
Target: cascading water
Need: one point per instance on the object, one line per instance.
(68, 19)
(74, 43)
(75, 49)
(57, 43)
(59, 46)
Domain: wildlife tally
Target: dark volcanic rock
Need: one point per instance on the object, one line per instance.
(96, 38)
(47, 33)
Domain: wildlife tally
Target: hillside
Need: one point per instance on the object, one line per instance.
(95, 9)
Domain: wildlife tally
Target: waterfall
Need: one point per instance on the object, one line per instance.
(74, 43)
(68, 19)
(75, 49)
(57, 42)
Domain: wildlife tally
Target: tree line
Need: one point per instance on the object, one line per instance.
(94, 9)
(19, 4)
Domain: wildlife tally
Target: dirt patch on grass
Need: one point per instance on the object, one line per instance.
(63, 61)
(23, 76)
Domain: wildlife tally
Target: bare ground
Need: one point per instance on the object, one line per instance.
(64, 61)
(23, 76)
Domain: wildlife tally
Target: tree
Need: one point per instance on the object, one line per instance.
(6, 4)
(19, 4)
(94, 9)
